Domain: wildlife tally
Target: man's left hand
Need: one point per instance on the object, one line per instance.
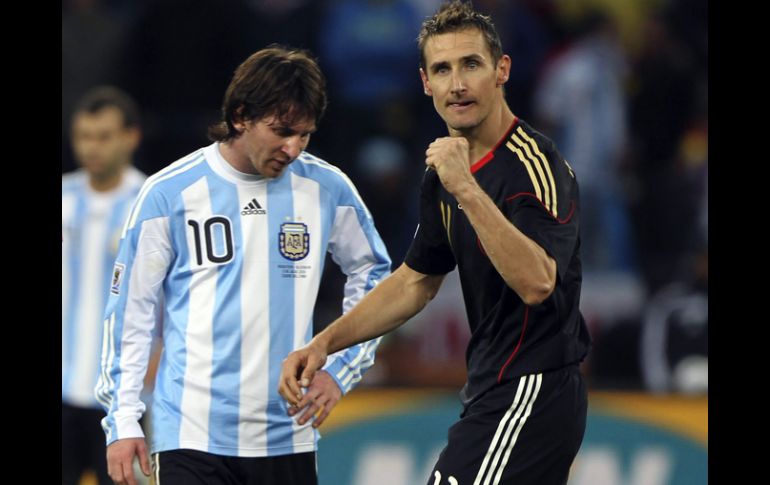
(322, 394)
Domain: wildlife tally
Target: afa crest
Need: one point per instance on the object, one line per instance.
(294, 241)
(117, 277)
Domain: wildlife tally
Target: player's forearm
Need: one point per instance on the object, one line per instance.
(391, 303)
(131, 316)
(524, 266)
(122, 418)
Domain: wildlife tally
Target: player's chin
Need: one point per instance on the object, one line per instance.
(461, 125)
(95, 166)
(460, 122)
(274, 169)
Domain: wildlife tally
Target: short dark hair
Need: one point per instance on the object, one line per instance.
(456, 16)
(277, 80)
(101, 97)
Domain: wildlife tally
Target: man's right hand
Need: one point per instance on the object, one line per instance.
(120, 460)
(298, 371)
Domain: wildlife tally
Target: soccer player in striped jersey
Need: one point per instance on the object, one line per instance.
(233, 238)
(499, 202)
(96, 199)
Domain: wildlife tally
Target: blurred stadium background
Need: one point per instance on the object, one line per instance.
(620, 85)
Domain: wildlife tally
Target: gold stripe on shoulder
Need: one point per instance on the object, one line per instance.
(547, 166)
(536, 163)
(528, 166)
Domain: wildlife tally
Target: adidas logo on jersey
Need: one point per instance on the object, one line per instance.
(253, 208)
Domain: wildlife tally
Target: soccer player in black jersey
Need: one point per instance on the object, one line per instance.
(499, 202)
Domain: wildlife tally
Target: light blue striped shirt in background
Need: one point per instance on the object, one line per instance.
(91, 225)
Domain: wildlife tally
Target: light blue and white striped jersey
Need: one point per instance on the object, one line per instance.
(238, 260)
(91, 225)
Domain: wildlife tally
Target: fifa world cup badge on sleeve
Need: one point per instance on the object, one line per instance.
(294, 241)
(117, 277)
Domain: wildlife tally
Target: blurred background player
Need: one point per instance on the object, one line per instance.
(105, 133)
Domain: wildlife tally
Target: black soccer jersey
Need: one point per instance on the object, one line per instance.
(535, 188)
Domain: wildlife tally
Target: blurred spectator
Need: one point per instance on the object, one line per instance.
(178, 74)
(580, 103)
(367, 47)
(288, 22)
(663, 107)
(383, 176)
(527, 34)
(689, 18)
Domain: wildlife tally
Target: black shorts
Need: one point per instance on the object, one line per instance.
(193, 467)
(527, 431)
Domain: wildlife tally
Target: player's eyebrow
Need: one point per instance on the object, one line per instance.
(438, 65)
(463, 60)
(287, 128)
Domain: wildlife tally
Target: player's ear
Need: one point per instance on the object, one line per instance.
(503, 69)
(134, 136)
(238, 121)
(425, 83)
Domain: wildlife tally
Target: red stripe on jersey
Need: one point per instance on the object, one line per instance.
(560, 221)
(489, 156)
(521, 338)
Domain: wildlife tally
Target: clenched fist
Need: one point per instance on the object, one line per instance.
(449, 157)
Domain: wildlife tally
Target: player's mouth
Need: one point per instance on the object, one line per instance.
(278, 165)
(460, 105)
